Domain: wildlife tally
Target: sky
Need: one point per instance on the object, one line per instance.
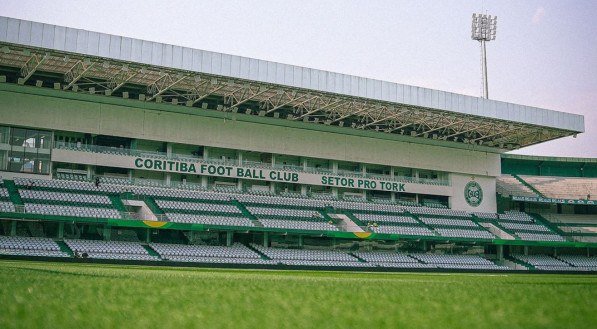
(545, 53)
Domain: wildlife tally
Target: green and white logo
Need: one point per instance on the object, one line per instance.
(473, 193)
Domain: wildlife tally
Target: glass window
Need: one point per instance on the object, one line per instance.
(4, 135)
(15, 161)
(3, 160)
(44, 140)
(29, 162)
(18, 137)
(42, 164)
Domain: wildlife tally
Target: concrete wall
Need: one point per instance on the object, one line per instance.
(458, 200)
(232, 131)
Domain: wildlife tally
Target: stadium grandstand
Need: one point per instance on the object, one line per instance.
(115, 149)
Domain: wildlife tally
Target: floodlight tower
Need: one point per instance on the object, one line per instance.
(483, 30)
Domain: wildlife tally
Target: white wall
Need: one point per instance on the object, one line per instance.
(458, 201)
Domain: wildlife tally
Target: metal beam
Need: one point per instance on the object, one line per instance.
(162, 84)
(246, 95)
(442, 127)
(121, 78)
(76, 72)
(31, 66)
(320, 109)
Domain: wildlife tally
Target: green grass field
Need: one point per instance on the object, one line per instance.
(56, 295)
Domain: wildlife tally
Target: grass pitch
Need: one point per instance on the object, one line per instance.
(57, 295)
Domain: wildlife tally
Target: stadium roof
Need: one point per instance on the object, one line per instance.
(92, 62)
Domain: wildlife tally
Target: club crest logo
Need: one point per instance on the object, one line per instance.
(473, 194)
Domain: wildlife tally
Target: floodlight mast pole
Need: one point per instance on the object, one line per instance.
(483, 30)
(484, 70)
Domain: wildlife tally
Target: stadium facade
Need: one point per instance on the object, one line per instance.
(113, 133)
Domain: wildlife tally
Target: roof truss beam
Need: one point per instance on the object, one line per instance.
(76, 72)
(34, 62)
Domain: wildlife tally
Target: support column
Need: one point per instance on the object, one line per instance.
(90, 172)
(148, 235)
(60, 230)
(239, 158)
(205, 153)
(425, 246)
(364, 173)
(334, 167)
(526, 250)
(304, 165)
(107, 233)
(300, 241)
(204, 179)
(266, 239)
(13, 228)
(392, 176)
(168, 176)
(229, 238)
(500, 252)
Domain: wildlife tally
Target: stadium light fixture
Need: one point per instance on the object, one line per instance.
(483, 30)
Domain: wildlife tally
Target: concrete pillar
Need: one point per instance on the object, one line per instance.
(229, 238)
(424, 245)
(334, 167)
(304, 165)
(239, 156)
(239, 184)
(272, 187)
(364, 169)
(168, 176)
(13, 228)
(107, 233)
(555, 251)
(526, 250)
(169, 150)
(90, 172)
(204, 179)
(60, 230)
(393, 196)
(335, 191)
(500, 252)
(300, 241)
(273, 160)
(266, 239)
